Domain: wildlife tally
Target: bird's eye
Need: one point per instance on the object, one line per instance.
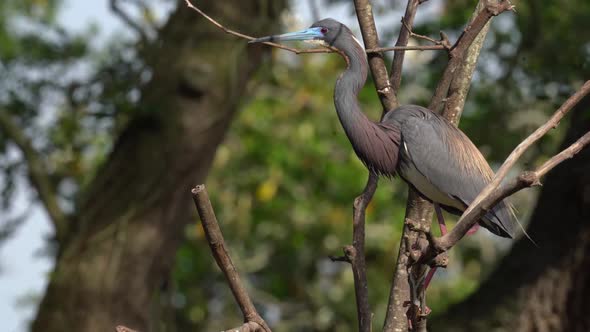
(324, 30)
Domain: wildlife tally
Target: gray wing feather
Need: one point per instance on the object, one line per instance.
(450, 161)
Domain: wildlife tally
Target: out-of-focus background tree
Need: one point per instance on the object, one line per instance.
(110, 136)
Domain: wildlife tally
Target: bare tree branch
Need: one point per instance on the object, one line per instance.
(459, 87)
(220, 252)
(491, 194)
(458, 50)
(355, 254)
(406, 48)
(375, 49)
(37, 174)
(402, 40)
(443, 42)
(244, 36)
(364, 13)
(524, 180)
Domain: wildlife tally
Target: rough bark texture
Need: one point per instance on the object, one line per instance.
(132, 217)
(545, 288)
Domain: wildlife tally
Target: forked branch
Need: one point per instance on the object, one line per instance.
(493, 193)
(402, 40)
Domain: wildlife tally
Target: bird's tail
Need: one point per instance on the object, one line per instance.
(502, 221)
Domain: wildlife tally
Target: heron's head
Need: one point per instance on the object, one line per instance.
(328, 32)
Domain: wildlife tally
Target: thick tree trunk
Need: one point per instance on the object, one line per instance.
(132, 217)
(545, 288)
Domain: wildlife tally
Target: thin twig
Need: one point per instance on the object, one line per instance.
(375, 49)
(482, 202)
(244, 36)
(444, 40)
(402, 40)
(406, 48)
(219, 250)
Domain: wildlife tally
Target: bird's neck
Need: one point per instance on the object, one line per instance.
(349, 84)
(355, 123)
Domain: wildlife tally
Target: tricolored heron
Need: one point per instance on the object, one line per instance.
(423, 148)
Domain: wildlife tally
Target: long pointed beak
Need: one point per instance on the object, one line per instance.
(307, 34)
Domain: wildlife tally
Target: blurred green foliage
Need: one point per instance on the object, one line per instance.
(285, 178)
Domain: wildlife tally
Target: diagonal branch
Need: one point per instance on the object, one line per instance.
(253, 320)
(524, 180)
(37, 174)
(459, 86)
(364, 13)
(482, 202)
(458, 50)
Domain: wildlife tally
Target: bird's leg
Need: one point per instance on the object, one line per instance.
(473, 229)
(443, 231)
(441, 219)
(417, 306)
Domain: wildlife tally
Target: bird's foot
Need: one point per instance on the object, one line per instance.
(415, 313)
